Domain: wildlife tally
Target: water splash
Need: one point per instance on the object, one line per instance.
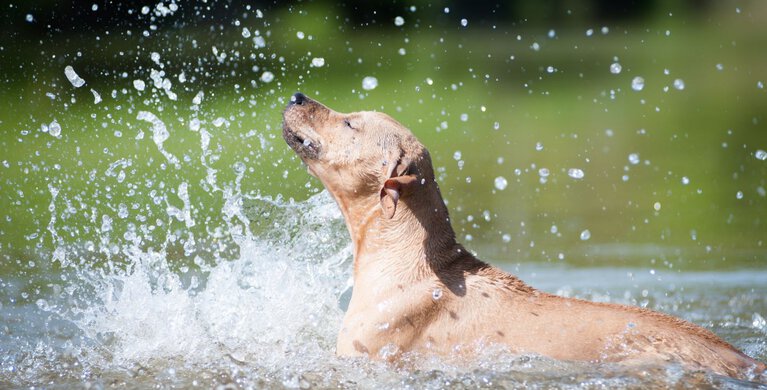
(159, 134)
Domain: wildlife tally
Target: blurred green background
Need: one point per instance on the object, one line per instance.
(526, 92)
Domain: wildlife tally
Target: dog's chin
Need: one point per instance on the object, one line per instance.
(306, 148)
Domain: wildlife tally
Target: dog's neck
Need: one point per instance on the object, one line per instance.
(415, 244)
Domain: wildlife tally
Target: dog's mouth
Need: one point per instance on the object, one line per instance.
(301, 144)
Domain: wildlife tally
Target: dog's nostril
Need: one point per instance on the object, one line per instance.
(298, 98)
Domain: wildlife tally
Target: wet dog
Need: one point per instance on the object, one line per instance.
(417, 289)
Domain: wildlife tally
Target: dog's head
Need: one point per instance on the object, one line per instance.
(358, 155)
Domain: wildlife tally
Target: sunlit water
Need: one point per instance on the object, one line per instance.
(144, 243)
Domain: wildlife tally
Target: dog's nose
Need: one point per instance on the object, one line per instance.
(298, 98)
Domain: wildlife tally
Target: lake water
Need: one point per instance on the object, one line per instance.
(268, 318)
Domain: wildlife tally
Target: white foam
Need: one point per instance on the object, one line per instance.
(274, 306)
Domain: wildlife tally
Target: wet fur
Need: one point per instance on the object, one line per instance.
(418, 290)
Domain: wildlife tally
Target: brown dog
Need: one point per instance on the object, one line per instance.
(417, 289)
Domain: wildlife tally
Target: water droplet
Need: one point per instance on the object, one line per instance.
(679, 84)
(634, 158)
(761, 155)
(300, 34)
(54, 129)
(543, 172)
(552, 33)
(139, 85)
(318, 62)
(637, 84)
(267, 77)
(575, 173)
(122, 211)
(96, 97)
(196, 100)
(399, 21)
(656, 206)
(464, 22)
(506, 238)
(73, 78)
(245, 32)
(30, 18)
(464, 117)
(739, 195)
(615, 68)
(501, 183)
(239, 167)
(369, 83)
(760, 85)
(386, 352)
(106, 223)
(538, 146)
(685, 180)
(436, 293)
(457, 155)
(585, 235)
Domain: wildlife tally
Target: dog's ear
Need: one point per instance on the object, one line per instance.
(400, 181)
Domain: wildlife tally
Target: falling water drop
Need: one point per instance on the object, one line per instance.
(54, 129)
(318, 62)
(500, 183)
(637, 84)
(369, 83)
(575, 173)
(267, 77)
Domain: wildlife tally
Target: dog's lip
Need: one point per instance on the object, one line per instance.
(303, 145)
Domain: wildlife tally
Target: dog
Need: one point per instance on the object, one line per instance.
(416, 289)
